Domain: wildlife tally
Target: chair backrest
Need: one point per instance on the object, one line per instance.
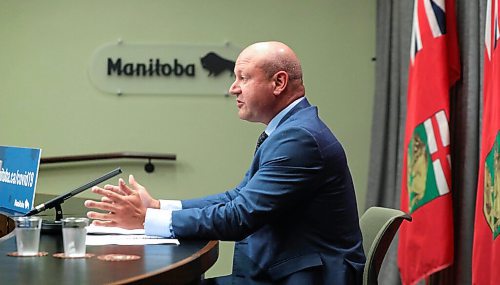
(378, 227)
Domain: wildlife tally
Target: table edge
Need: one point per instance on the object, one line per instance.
(181, 271)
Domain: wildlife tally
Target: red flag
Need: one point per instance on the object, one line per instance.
(486, 248)
(426, 244)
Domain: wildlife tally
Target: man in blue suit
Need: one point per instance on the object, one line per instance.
(294, 216)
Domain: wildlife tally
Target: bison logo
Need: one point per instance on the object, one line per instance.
(215, 64)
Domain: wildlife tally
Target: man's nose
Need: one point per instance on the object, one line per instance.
(234, 89)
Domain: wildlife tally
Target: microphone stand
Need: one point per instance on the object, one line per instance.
(57, 201)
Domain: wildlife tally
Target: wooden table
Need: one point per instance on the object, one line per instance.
(159, 264)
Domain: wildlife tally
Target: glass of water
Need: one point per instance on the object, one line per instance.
(27, 235)
(74, 234)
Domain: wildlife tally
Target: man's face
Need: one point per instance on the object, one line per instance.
(253, 91)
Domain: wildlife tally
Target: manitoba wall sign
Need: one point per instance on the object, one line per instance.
(198, 69)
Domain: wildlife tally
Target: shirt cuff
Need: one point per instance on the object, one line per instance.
(172, 205)
(158, 222)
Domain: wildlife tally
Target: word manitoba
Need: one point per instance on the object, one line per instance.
(155, 67)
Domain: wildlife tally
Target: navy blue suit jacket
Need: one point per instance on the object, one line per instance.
(294, 211)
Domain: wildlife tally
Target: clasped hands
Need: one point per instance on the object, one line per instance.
(123, 206)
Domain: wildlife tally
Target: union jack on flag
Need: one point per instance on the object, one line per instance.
(487, 30)
(436, 16)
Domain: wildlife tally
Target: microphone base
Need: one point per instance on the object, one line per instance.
(51, 227)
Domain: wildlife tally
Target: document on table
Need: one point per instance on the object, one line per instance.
(97, 230)
(113, 235)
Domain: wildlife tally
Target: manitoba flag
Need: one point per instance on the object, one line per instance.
(426, 244)
(486, 248)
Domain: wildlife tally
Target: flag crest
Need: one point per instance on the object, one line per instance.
(491, 188)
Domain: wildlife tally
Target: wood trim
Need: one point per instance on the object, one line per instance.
(6, 226)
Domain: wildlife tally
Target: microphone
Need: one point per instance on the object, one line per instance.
(57, 201)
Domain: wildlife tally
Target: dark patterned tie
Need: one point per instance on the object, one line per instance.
(260, 140)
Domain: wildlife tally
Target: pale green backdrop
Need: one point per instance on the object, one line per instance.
(47, 100)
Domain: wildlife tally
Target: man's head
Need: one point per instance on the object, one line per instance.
(268, 78)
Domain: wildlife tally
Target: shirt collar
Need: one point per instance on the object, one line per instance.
(275, 121)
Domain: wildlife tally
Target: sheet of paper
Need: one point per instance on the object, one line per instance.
(101, 239)
(113, 230)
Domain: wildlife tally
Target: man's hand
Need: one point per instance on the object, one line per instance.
(125, 207)
(147, 200)
(122, 188)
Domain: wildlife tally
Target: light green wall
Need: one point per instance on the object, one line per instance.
(47, 100)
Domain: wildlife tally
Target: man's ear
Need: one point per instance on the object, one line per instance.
(280, 80)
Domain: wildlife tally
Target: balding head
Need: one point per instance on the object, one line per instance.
(273, 57)
(268, 78)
